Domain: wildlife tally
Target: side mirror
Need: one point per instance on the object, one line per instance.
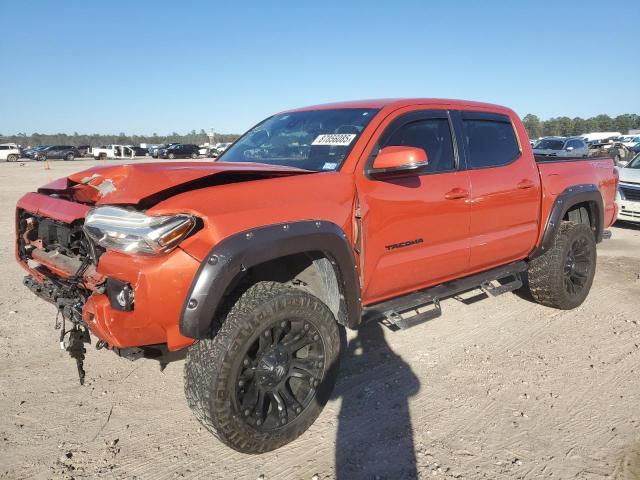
(398, 162)
(569, 149)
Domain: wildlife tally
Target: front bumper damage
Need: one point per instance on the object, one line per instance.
(131, 304)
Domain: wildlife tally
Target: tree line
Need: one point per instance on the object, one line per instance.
(95, 140)
(565, 126)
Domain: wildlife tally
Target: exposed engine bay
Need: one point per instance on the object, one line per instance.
(65, 260)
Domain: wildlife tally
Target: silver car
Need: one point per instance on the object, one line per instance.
(561, 147)
(628, 197)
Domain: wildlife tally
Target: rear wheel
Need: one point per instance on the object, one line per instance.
(194, 155)
(265, 376)
(69, 157)
(562, 277)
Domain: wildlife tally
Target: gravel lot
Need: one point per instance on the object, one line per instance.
(499, 389)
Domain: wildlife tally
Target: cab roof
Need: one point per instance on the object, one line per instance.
(394, 103)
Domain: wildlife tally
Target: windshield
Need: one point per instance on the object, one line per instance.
(549, 144)
(634, 163)
(317, 140)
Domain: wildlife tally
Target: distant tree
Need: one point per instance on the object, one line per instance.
(565, 126)
(532, 125)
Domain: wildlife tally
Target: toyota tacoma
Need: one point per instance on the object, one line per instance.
(316, 219)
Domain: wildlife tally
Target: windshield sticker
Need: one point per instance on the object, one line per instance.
(335, 139)
(329, 166)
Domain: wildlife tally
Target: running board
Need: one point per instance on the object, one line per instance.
(494, 290)
(391, 311)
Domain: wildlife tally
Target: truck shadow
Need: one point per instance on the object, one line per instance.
(375, 437)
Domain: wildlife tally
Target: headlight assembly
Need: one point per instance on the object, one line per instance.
(129, 231)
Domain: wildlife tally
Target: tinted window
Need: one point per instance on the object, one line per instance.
(3, 147)
(433, 136)
(489, 143)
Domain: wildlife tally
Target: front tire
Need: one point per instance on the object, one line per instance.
(171, 156)
(562, 277)
(12, 158)
(69, 157)
(265, 376)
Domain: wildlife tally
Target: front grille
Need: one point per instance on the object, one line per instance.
(631, 194)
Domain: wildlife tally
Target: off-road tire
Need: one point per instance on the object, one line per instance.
(12, 158)
(211, 365)
(546, 275)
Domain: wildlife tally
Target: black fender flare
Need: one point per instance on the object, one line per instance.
(241, 251)
(568, 198)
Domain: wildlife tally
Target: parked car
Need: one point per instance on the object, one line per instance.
(181, 150)
(9, 152)
(139, 151)
(561, 147)
(362, 211)
(628, 197)
(630, 141)
(85, 150)
(64, 152)
(153, 150)
(209, 152)
(33, 152)
(113, 151)
(221, 147)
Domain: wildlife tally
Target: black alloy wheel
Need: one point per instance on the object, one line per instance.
(277, 378)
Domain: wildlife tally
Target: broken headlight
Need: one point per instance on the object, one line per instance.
(129, 231)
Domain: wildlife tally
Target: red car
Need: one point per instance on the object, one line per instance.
(314, 220)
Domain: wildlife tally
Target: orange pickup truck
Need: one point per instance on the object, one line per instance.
(316, 219)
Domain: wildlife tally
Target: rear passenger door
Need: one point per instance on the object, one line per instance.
(505, 190)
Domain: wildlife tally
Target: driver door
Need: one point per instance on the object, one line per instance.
(415, 229)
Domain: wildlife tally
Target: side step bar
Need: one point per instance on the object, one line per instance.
(392, 310)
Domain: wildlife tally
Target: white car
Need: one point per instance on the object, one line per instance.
(113, 151)
(630, 141)
(221, 147)
(9, 152)
(628, 197)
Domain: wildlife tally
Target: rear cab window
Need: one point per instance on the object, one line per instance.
(489, 140)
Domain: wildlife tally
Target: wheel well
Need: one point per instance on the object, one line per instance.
(310, 271)
(585, 212)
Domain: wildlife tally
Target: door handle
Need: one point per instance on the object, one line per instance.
(524, 184)
(456, 194)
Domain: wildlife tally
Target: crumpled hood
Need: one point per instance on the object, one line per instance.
(146, 184)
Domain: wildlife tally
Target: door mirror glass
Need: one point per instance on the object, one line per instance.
(399, 161)
(569, 149)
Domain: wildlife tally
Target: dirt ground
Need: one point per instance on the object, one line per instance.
(500, 389)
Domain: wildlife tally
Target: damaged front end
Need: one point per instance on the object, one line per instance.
(63, 261)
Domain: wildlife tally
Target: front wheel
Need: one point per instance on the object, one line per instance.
(69, 157)
(194, 155)
(171, 156)
(12, 158)
(562, 277)
(265, 376)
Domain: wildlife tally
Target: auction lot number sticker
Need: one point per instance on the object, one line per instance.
(335, 139)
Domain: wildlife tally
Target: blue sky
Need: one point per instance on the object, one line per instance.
(153, 66)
